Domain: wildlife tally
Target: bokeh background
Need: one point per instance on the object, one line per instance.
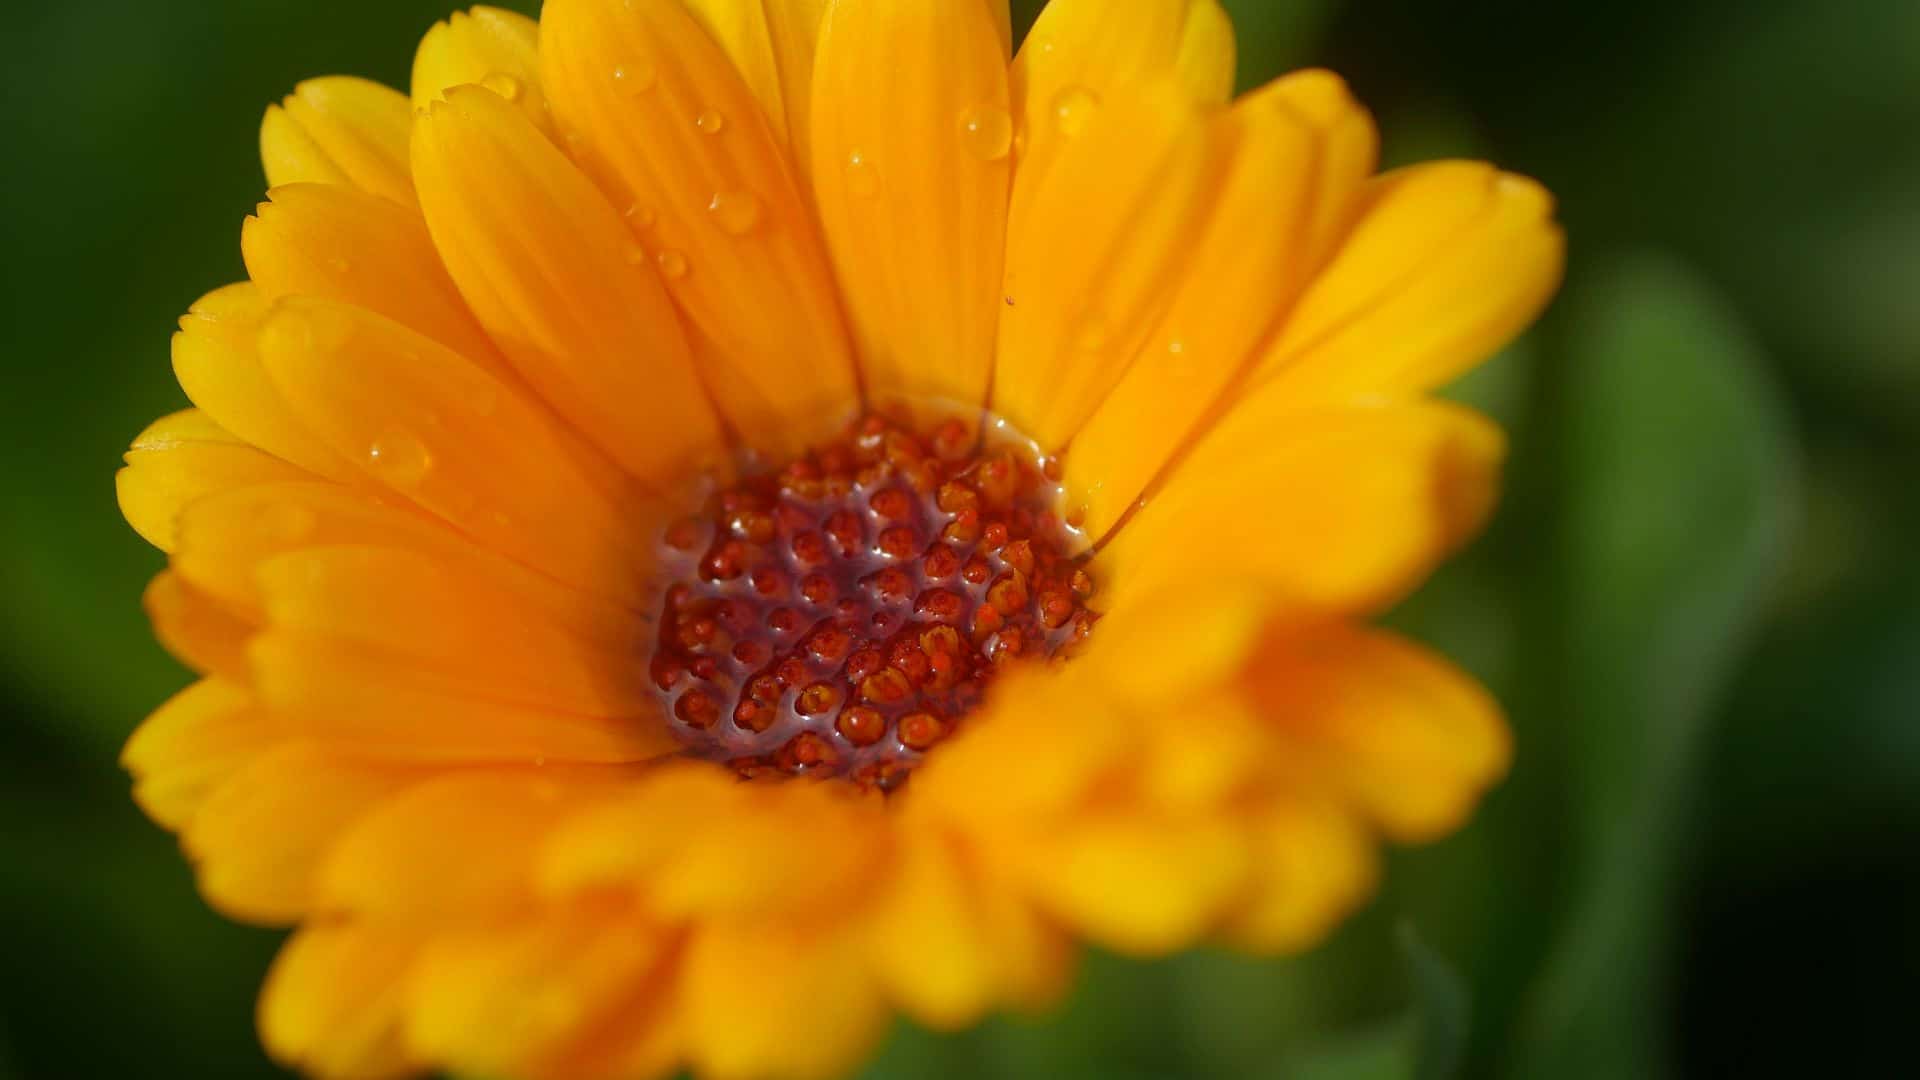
(1699, 600)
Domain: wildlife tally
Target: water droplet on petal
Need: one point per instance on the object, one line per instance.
(987, 131)
(736, 212)
(635, 79)
(672, 264)
(710, 122)
(636, 255)
(503, 84)
(1072, 108)
(641, 216)
(863, 180)
(400, 458)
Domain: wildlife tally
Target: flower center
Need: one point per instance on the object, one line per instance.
(841, 616)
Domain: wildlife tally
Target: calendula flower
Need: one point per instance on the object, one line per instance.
(717, 522)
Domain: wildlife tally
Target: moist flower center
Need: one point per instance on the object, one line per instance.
(842, 615)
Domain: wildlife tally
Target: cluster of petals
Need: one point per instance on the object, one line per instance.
(491, 326)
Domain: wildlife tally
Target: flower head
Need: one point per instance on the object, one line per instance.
(715, 523)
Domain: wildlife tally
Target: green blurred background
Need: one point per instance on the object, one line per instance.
(1698, 600)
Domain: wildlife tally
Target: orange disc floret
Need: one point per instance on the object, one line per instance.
(840, 616)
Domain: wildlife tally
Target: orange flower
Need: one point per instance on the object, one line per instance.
(519, 517)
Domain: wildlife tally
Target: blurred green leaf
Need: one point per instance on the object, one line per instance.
(1680, 491)
(1440, 1005)
(1425, 1044)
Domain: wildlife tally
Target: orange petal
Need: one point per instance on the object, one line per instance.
(672, 133)
(340, 130)
(425, 424)
(929, 947)
(336, 243)
(197, 629)
(772, 47)
(740, 860)
(259, 839)
(191, 744)
(334, 1002)
(778, 1000)
(1301, 152)
(1034, 749)
(1449, 261)
(1165, 646)
(376, 704)
(460, 846)
(489, 47)
(1334, 508)
(225, 538)
(548, 267)
(1137, 884)
(217, 361)
(416, 608)
(1094, 263)
(183, 457)
(912, 154)
(506, 1001)
(1081, 53)
(1314, 864)
(1411, 738)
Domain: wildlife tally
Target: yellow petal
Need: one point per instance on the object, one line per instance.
(1334, 508)
(333, 1004)
(259, 839)
(1411, 738)
(929, 949)
(741, 859)
(771, 44)
(1034, 749)
(217, 360)
(1140, 885)
(1448, 263)
(504, 1002)
(1083, 53)
(1314, 864)
(460, 846)
(191, 744)
(336, 243)
(620, 843)
(340, 130)
(1093, 264)
(427, 425)
(414, 607)
(782, 1000)
(548, 267)
(183, 457)
(199, 631)
(673, 134)
(1204, 751)
(1301, 151)
(912, 154)
(1161, 646)
(225, 538)
(489, 47)
(375, 704)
